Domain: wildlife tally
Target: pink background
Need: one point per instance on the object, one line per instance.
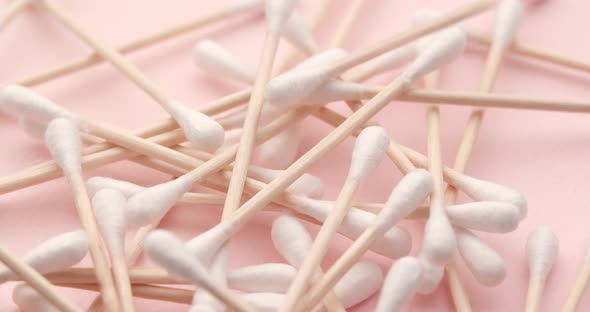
(542, 154)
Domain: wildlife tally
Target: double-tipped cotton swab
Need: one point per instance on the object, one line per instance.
(367, 154)
(63, 141)
(542, 246)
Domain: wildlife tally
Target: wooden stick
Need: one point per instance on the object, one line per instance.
(12, 10)
(37, 281)
(534, 293)
(121, 277)
(160, 293)
(320, 244)
(575, 295)
(131, 46)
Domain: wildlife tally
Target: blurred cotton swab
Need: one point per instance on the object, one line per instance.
(63, 141)
(485, 263)
(29, 300)
(213, 58)
(580, 284)
(169, 252)
(268, 277)
(366, 274)
(297, 32)
(411, 191)
(542, 246)
(400, 284)
(109, 206)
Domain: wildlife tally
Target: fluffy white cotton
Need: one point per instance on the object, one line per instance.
(369, 149)
(358, 284)
(338, 90)
(297, 32)
(152, 203)
(242, 5)
(55, 254)
(394, 243)
(306, 185)
(96, 184)
(268, 277)
(264, 302)
(400, 284)
(29, 300)
(431, 276)
(280, 151)
(205, 245)
(201, 130)
(215, 59)
(109, 209)
(439, 238)
(23, 102)
(487, 216)
(63, 141)
(509, 15)
(486, 265)
(290, 89)
(440, 50)
(322, 58)
(542, 246)
(217, 271)
(487, 191)
(33, 128)
(169, 252)
(406, 196)
(387, 61)
(277, 14)
(291, 239)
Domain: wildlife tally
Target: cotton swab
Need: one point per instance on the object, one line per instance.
(432, 275)
(486, 265)
(13, 9)
(411, 191)
(213, 58)
(199, 128)
(109, 208)
(37, 282)
(400, 284)
(29, 300)
(58, 253)
(366, 273)
(367, 154)
(495, 217)
(580, 284)
(542, 246)
(293, 242)
(268, 277)
(298, 34)
(63, 141)
(277, 14)
(169, 252)
(217, 270)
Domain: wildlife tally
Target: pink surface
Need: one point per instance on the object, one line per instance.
(542, 154)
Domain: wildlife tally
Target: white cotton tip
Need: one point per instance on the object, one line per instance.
(432, 274)
(205, 245)
(109, 209)
(291, 239)
(306, 185)
(486, 265)
(201, 130)
(387, 61)
(358, 284)
(152, 203)
(217, 271)
(128, 189)
(215, 59)
(33, 128)
(487, 216)
(369, 149)
(290, 89)
(338, 90)
(243, 5)
(63, 141)
(509, 15)
(264, 302)
(277, 14)
(487, 191)
(23, 102)
(328, 56)
(407, 195)
(441, 49)
(29, 300)
(424, 15)
(394, 243)
(268, 277)
(542, 246)
(55, 254)
(439, 238)
(169, 252)
(400, 284)
(297, 32)
(280, 151)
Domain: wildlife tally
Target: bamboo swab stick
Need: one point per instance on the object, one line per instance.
(154, 292)
(37, 281)
(12, 10)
